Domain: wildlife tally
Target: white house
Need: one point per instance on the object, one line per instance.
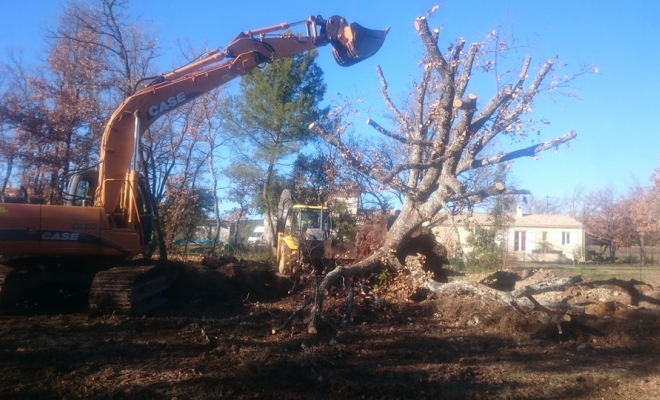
(546, 237)
(529, 237)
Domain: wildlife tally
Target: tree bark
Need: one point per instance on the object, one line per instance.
(270, 236)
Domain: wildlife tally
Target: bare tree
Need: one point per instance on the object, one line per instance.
(55, 115)
(129, 48)
(641, 216)
(602, 216)
(243, 185)
(215, 138)
(445, 137)
(171, 160)
(126, 53)
(574, 202)
(546, 205)
(8, 144)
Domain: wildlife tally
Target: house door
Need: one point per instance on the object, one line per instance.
(523, 241)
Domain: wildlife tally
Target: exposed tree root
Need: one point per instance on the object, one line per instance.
(521, 300)
(336, 275)
(517, 300)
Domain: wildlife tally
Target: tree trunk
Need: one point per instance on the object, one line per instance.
(270, 236)
(406, 223)
(216, 202)
(158, 229)
(5, 182)
(236, 237)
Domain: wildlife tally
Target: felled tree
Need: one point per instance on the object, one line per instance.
(444, 136)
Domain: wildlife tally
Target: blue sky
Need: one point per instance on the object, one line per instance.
(614, 112)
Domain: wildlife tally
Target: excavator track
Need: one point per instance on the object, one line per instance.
(131, 289)
(30, 287)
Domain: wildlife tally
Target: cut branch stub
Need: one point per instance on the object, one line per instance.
(468, 103)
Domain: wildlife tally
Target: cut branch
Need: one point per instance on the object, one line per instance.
(333, 277)
(431, 45)
(294, 315)
(456, 55)
(356, 164)
(504, 98)
(494, 190)
(421, 100)
(468, 103)
(517, 300)
(396, 137)
(467, 70)
(348, 314)
(401, 119)
(526, 152)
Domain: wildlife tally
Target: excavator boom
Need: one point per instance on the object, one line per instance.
(351, 44)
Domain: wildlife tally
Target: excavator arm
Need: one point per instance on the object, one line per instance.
(351, 44)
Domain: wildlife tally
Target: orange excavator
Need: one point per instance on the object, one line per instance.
(106, 214)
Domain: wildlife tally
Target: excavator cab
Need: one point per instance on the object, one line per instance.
(352, 43)
(82, 186)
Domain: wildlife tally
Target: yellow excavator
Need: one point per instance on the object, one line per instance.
(105, 214)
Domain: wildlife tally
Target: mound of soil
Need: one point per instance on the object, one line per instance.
(221, 283)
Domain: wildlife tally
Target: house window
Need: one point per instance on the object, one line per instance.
(544, 235)
(565, 238)
(519, 240)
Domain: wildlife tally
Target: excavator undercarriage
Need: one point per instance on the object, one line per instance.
(62, 285)
(131, 290)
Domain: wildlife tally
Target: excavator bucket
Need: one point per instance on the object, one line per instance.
(353, 43)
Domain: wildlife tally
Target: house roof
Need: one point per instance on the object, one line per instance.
(546, 221)
(525, 221)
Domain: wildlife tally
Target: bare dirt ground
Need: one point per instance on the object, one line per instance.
(213, 340)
